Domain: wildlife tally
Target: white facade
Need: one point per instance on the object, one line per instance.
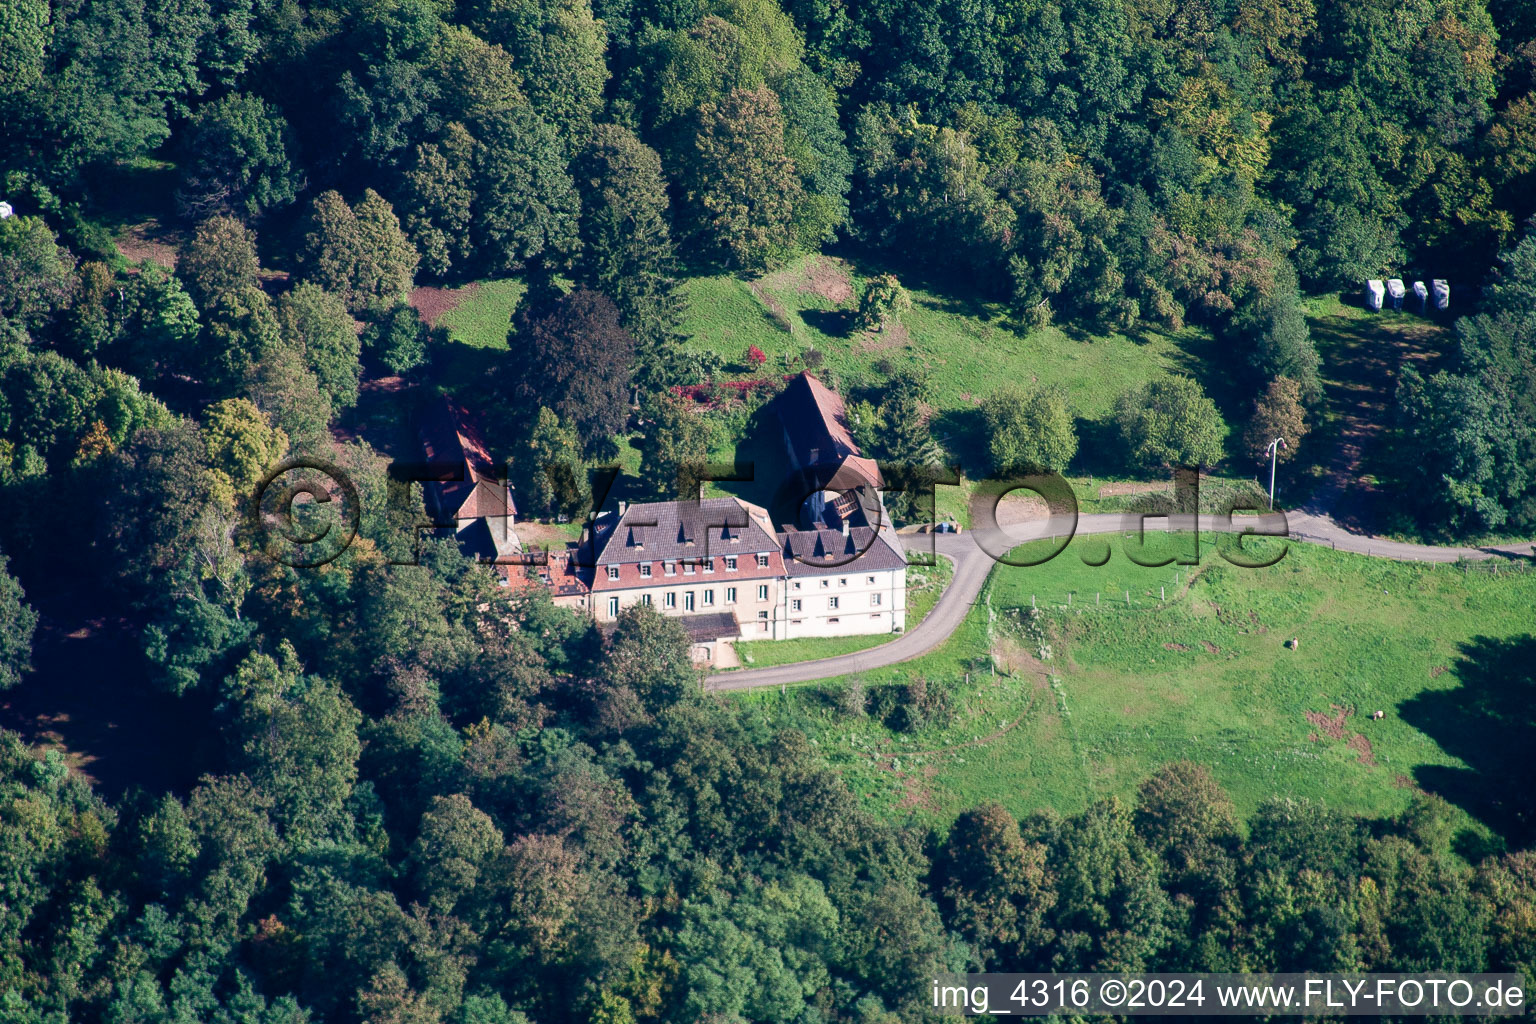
(845, 602)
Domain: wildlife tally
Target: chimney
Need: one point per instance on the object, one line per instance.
(623, 507)
(845, 526)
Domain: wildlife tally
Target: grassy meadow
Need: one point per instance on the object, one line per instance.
(1089, 698)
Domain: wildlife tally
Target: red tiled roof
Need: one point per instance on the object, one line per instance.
(816, 422)
(449, 437)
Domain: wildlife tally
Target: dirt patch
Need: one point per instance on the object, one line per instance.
(894, 336)
(1403, 782)
(432, 304)
(1112, 490)
(1438, 671)
(916, 794)
(829, 280)
(1331, 725)
(1210, 648)
(1021, 507)
(822, 276)
(1362, 747)
(1175, 647)
(150, 241)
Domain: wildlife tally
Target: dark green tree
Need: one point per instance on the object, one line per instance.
(627, 251)
(317, 323)
(575, 359)
(236, 158)
(17, 624)
(218, 260)
(740, 186)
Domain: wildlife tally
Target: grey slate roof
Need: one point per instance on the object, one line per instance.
(823, 551)
(709, 626)
(673, 530)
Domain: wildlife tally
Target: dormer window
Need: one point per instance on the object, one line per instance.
(670, 568)
(687, 568)
(709, 565)
(613, 572)
(762, 561)
(730, 563)
(645, 570)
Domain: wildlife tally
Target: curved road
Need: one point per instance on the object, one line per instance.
(972, 564)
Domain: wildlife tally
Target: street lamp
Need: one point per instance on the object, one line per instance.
(1274, 451)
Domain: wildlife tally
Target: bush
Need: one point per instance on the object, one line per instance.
(883, 303)
(1170, 422)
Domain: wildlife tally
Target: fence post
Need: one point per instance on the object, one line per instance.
(1127, 598)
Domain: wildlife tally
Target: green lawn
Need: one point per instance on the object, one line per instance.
(924, 585)
(966, 345)
(477, 333)
(1206, 676)
(483, 318)
(968, 349)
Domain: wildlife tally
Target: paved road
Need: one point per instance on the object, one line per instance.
(972, 564)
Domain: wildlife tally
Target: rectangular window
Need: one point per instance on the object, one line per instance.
(645, 599)
(762, 561)
(688, 601)
(709, 598)
(832, 603)
(688, 568)
(613, 572)
(762, 616)
(833, 621)
(875, 600)
(669, 601)
(843, 581)
(645, 570)
(730, 595)
(762, 592)
(826, 583)
(730, 563)
(870, 580)
(709, 565)
(794, 605)
(797, 584)
(613, 606)
(669, 568)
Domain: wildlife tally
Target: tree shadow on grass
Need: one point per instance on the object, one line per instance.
(963, 433)
(1101, 450)
(1489, 723)
(834, 323)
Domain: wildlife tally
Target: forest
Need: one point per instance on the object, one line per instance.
(419, 803)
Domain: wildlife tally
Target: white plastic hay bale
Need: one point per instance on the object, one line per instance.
(1375, 291)
(1442, 293)
(1422, 294)
(1396, 291)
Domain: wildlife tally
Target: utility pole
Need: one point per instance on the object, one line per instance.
(1274, 451)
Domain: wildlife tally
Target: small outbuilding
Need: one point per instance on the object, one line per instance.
(1374, 292)
(1422, 294)
(1442, 289)
(1396, 292)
